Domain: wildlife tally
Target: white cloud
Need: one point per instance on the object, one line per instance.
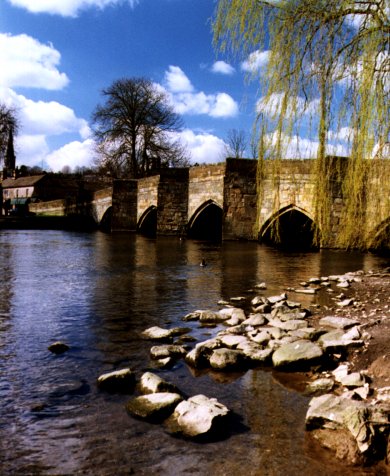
(31, 149)
(295, 147)
(177, 81)
(215, 105)
(40, 120)
(44, 118)
(74, 154)
(186, 100)
(222, 68)
(255, 62)
(205, 148)
(25, 62)
(272, 106)
(67, 8)
(223, 105)
(345, 134)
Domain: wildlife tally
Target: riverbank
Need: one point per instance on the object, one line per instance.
(337, 353)
(370, 294)
(366, 301)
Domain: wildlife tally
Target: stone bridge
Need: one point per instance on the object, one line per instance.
(214, 202)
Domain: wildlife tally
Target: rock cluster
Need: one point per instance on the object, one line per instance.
(345, 413)
(196, 417)
(276, 332)
(279, 332)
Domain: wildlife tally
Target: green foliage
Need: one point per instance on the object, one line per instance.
(328, 69)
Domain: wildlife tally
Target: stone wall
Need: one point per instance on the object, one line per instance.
(206, 183)
(124, 205)
(101, 202)
(378, 201)
(172, 202)
(147, 194)
(240, 202)
(293, 187)
(51, 208)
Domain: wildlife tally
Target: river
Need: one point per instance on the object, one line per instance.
(97, 292)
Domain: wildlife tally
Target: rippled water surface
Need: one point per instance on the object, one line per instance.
(97, 292)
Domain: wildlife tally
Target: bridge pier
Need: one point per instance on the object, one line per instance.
(124, 205)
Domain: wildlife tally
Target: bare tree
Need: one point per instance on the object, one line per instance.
(135, 129)
(8, 129)
(236, 143)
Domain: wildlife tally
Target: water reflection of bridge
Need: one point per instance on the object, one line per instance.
(215, 202)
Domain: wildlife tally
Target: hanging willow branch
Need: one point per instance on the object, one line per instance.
(328, 71)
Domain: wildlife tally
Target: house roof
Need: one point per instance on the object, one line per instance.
(21, 181)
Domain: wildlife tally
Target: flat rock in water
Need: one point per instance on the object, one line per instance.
(226, 359)
(300, 352)
(156, 406)
(292, 325)
(261, 286)
(255, 354)
(308, 333)
(158, 333)
(198, 416)
(338, 340)
(117, 381)
(164, 351)
(338, 322)
(238, 299)
(257, 300)
(275, 299)
(262, 337)
(210, 317)
(255, 320)
(352, 380)
(321, 385)
(58, 347)
(343, 284)
(231, 341)
(232, 313)
(306, 290)
(152, 383)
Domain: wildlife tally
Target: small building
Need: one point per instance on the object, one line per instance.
(17, 193)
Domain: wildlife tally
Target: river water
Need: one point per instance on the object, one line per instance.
(97, 292)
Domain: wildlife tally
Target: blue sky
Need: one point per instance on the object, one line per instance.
(57, 55)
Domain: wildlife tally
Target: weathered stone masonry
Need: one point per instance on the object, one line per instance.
(177, 197)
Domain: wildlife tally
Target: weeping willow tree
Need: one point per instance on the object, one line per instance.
(327, 74)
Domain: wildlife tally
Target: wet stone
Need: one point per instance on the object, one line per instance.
(226, 359)
(152, 383)
(320, 386)
(165, 351)
(300, 352)
(156, 406)
(198, 416)
(338, 322)
(58, 347)
(117, 381)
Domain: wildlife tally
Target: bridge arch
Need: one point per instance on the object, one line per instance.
(289, 227)
(147, 224)
(206, 222)
(381, 237)
(106, 220)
